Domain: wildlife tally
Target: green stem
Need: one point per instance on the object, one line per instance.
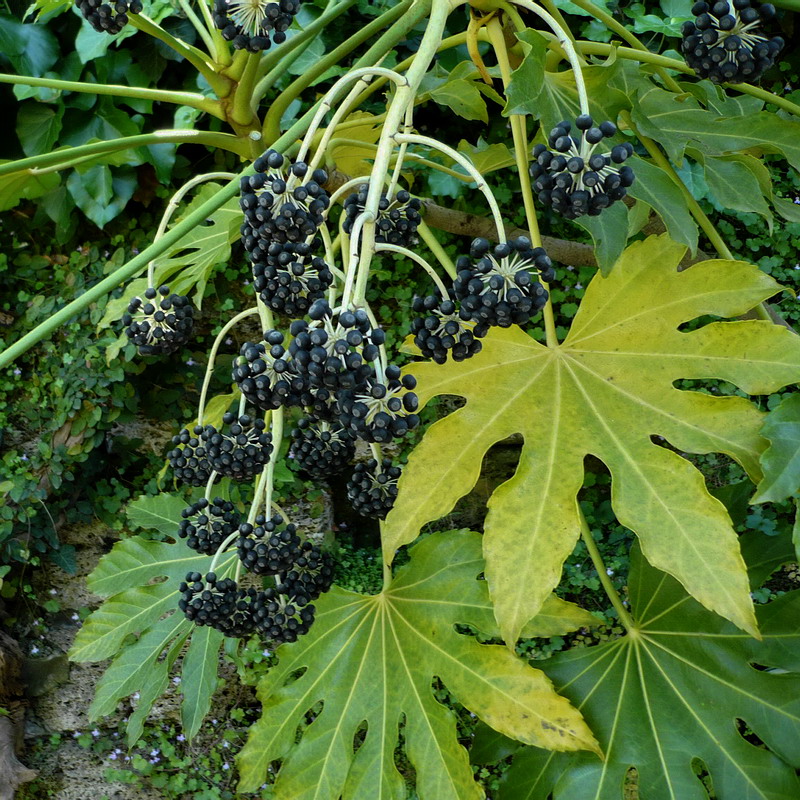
(414, 256)
(594, 553)
(275, 63)
(621, 31)
(198, 26)
(272, 121)
(694, 207)
(136, 264)
(243, 111)
(226, 141)
(191, 99)
(195, 57)
(221, 52)
(520, 137)
(436, 248)
(599, 48)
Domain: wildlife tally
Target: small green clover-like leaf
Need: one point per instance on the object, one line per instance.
(780, 462)
(606, 391)
(371, 661)
(671, 691)
(138, 625)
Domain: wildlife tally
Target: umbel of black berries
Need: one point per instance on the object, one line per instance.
(335, 354)
(372, 492)
(265, 374)
(291, 278)
(320, 448)
(253, 25)
(269, 546)
(156, 326)
(725, 42)
(220, 604)
(281, 203)
(574, 177)
(311, 575)
(108, 18)
(242, 452)
(499, 286)
(205, 525)
(278, 619)
(443, 328)
(398, 217)
(188, 458)
(380, 411)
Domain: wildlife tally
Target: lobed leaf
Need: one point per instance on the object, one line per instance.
(371, 661)
(671, 691)
(780, 462)
(606, 391)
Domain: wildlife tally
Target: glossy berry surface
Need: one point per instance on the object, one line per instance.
(443, 328)
(398, 216)
(159, 325)
(253, 25)
(372, 491)
(320, 448)
(206, 525)
(108, 18)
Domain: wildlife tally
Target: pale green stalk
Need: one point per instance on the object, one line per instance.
(199, 27)
(436, 248)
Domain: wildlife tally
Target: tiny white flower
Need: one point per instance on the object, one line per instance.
(225, 766)
(34, 650)
(176, 680)
(75, 617)
(54, 591)
(609, 571)
(96, 733)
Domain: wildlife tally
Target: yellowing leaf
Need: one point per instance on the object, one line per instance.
(605, 391)
(372, 661)
(353, 159)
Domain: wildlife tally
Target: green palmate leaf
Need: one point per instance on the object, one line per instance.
(796, 530)
(654, 187)
(609, 232)
(780, 462)
(735, 185)
(605, 391)
(678, 121)
(553, 96)
(462, 97)
(189, 263)
(138, 625)
(764, 554)
(156, 513)
(487, 157)
(716, 99)
(671, 691)
(372, 661)
(24, 185)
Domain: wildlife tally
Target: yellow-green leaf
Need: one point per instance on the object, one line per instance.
(373, 660)
(605, 391)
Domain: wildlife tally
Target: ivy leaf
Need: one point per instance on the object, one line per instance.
(609, 232)
(190, 262)
(372, 660)
(38, 126)
(654, 187)
(553, 96)
(24, 185)
(605, 391)
(671, 691)
(138, 625)
(780, 462)
(100, 193)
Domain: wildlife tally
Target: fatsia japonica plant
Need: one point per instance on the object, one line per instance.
(333, 187)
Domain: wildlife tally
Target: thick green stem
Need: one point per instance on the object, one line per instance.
(243, 111)
(191, 99)
(221, 52)
(272, 121)
(520, 136)
(138, 263)
(195, 57)
(624, 34)
(594, 553)
(198, 26)
(226, 141)
(436, 248)
(274, 64)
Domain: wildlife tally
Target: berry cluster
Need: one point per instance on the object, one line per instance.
(443, 329)
(725, 43)
(311, 575)
(265, 374)
(253, 25)
(206, 525)
(159, 327)
(500, 286)
(290, 278)
(269, 547)
(240, 454)
(573, 177)
(320, 448)
(281, 203)
(398, 216)
(107, 19)
(372, 491)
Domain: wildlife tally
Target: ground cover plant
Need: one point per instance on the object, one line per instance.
(331, 178)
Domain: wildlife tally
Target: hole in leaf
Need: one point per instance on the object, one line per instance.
(699, 768)
(712, 386)
(749, 735)
(401, 761)
(360, 736)
(699, 322)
